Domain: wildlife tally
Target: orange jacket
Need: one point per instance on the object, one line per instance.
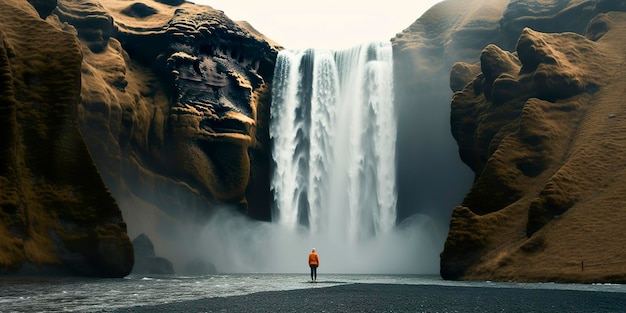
(313, 259)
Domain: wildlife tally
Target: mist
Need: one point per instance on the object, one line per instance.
(364, 218)
(334, 184)
(234, 243)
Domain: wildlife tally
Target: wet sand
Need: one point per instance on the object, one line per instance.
(403, 298)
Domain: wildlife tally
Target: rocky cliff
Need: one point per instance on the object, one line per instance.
(56, 216)
(536, 116)
(172, 101)
(174, 108)
(450, 31)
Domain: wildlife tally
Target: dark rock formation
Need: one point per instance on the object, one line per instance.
(56, 216)
(139, 10)
(536, 128)
(43, 7)
(146, 261)
(171, 2)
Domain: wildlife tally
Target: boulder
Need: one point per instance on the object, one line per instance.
(146, 262)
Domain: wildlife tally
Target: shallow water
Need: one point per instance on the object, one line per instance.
(88, 295)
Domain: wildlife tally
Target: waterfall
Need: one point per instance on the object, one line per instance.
(333, 129)
(334, 133)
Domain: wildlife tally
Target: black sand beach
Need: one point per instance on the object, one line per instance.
(403, 298)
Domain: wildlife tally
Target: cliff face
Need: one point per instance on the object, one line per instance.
(457, 31)
(174, 108)
(540, 128)
(172, 101)
(56, 216)
(432, 177)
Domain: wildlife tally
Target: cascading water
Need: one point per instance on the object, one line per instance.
(334, 130)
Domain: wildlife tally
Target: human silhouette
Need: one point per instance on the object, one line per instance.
(314, 262)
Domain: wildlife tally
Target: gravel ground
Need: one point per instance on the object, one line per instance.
(403, 298)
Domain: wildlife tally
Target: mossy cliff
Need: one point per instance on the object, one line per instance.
(536, 114)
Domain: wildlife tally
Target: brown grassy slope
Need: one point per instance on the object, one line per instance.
(548, 144)
(55, 212)
(450, 31)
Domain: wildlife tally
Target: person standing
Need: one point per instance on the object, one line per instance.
(314, 262)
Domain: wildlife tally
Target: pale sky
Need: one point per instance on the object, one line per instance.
(332, 24)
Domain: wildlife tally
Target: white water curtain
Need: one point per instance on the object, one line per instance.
(334, 132)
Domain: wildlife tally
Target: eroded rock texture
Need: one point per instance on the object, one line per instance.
(56, 216)
(450, 31)
(540, 127)
(175, 106)
(172, 99)
(497, 56)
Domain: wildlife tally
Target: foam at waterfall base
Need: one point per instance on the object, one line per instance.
(237, 244)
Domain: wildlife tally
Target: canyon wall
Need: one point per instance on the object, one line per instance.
(123, 118)
(175, 110)
(56, 215)
(535, 114)
(164, 103)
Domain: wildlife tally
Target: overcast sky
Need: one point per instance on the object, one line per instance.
(330, 24)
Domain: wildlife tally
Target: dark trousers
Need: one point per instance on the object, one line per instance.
(313, 272)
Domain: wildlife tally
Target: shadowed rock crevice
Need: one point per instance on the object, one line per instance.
(139, 10)
(43, 7)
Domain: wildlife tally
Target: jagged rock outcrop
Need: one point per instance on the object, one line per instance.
(175, 110)
(56, 215)
(540, 128)
(146, 261)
